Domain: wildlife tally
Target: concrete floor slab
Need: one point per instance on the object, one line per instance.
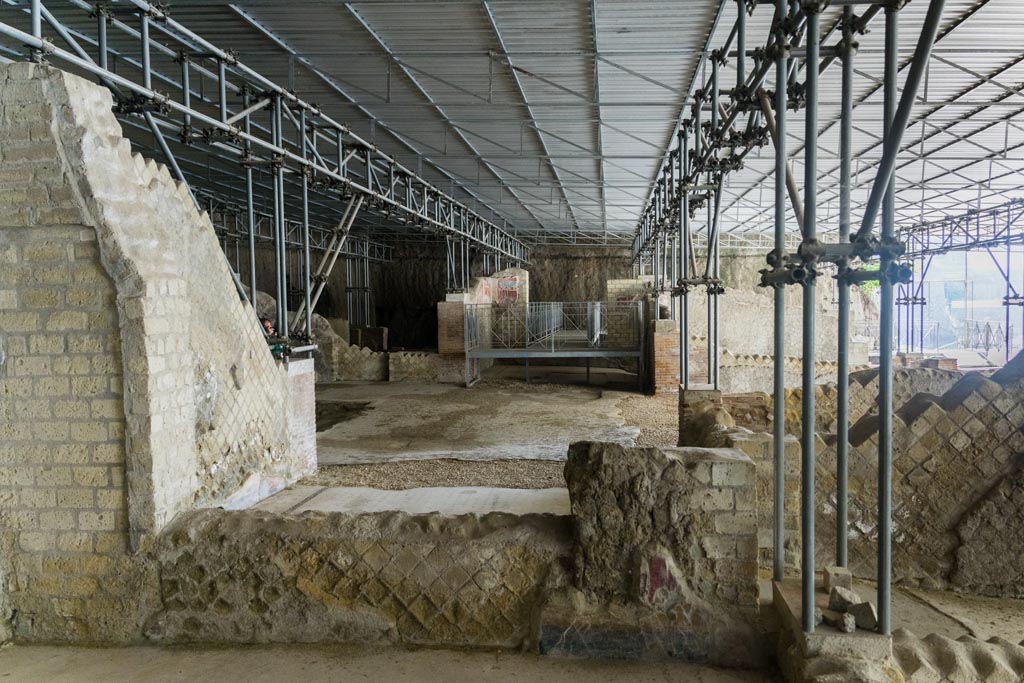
(312, 664)
(444, 500)
(290, 498)
(490, 421)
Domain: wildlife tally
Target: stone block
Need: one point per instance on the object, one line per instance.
(838, 576)
(840, 599)
(864, 614)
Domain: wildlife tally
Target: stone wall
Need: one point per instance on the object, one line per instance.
(454, 581)
(575, 273)
(664, 555)
(706, 420)
(413, 366)
(746, 332)
(956, 459)
(134, 384)
(985, 563)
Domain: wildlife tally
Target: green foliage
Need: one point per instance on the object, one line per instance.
(871, 286)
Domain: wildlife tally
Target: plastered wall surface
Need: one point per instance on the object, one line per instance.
(134, 383)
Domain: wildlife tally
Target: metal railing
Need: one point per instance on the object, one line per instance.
(554, 326)
(983, 335)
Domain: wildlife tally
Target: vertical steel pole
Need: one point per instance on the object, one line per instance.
(885, 341)
(674, 260)
(657, 276)
(147, 75)
(348, 289)
(684, 216)
(186, 97)
(222, 86)
(101, 38)
(712, 296)
(1006, 308)
(306, 284)
(779, 335)
(366, 289)
(807, 417)
(741, 45)
(716, 273)
(37, 27)
(843, 355)
(279, 228)
(250, 211)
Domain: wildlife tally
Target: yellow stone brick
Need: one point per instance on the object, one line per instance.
(83, 297)
(46, 343)
(68, 321)
(92, 431)
(75, 542)
(18, 321)
(96, 521)
(43, 252)
(61, 520)
(51, 386)
(75, 498)
(71, 409)
(107, 408)
(51, 430)
(111, 499)
(54, 274)
(54, 476)
(92, 477)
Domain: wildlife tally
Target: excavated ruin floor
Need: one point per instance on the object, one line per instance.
(653, 419)
(494, 420)
(310, 664)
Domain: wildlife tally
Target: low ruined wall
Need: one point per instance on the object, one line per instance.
(665, 550)
(706, 420)
(412, 366)
(257, 577)
(134, 384)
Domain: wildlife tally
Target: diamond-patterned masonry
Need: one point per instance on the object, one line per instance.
(249, 576)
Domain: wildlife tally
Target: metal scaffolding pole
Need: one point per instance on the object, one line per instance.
(250, 212)
(684, 217)
(716, 274)
(779, 329)
(807, 430)
(280, 250)
(843, 353)
(885, 333)
(306, 280)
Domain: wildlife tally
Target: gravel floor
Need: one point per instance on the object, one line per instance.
(407, 474)
(656, 416)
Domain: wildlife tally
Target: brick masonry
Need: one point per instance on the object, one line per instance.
(664, 361)
(134, 383)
